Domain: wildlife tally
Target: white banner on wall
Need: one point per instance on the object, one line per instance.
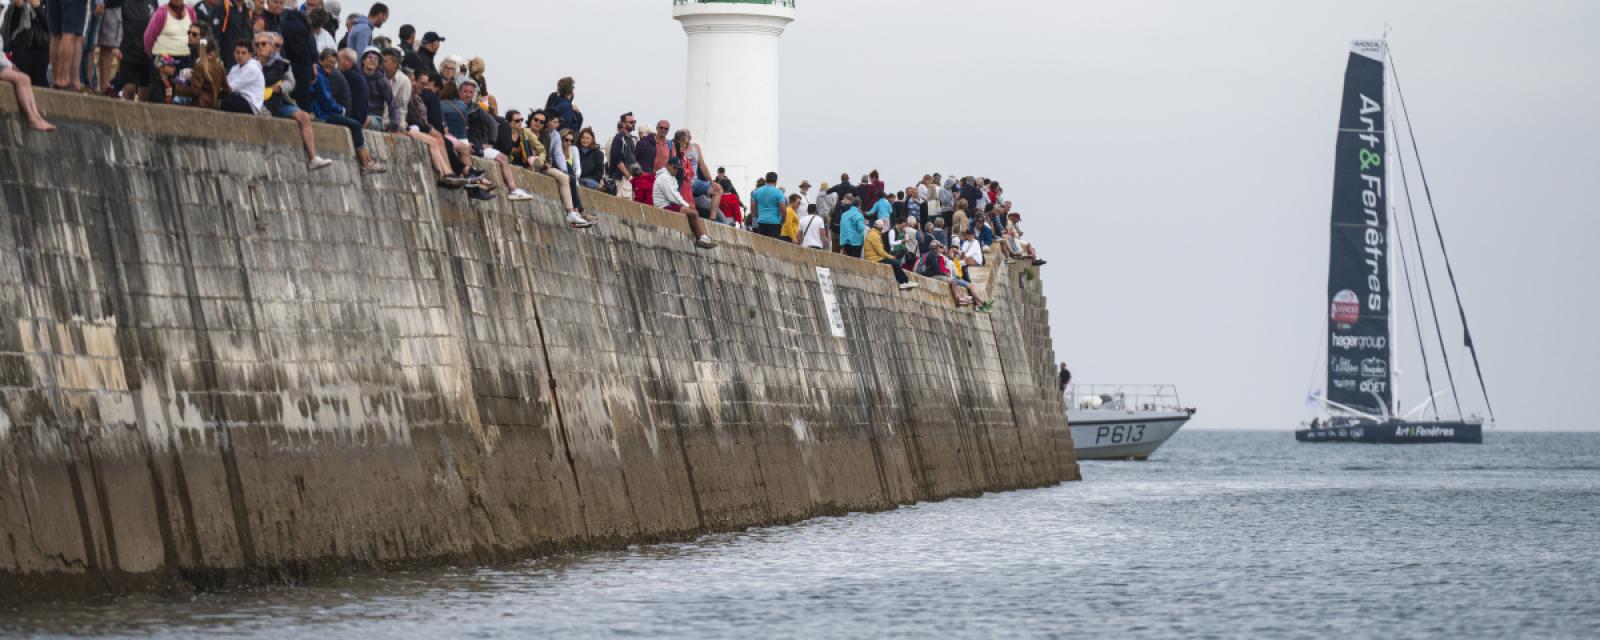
(835, 317)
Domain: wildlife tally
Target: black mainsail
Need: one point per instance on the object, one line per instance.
(1359, 378)
(1360, 394)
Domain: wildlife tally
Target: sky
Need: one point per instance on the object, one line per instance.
(1172, 159)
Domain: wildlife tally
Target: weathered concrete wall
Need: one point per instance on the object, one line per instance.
(217, 367)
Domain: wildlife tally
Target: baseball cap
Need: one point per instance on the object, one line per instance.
(431, 37)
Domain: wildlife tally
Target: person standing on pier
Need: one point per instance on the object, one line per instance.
(1065, 377)
(852, 227)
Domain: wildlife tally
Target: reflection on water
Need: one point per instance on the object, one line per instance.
(1227, 534)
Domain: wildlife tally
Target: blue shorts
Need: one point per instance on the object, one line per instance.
(283, 110)
(67, 17)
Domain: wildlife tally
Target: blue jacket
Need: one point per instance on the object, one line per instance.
(322, 103)
(360, 36)
(882, 210)
(455, 118)
(561, 107)
(853, 228)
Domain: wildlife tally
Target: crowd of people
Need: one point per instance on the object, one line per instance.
(308, 64)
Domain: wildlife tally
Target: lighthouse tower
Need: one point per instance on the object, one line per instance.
(732, 96)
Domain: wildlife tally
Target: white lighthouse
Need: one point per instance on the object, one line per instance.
(732, 91)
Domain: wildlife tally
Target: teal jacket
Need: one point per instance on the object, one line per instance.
(853, 228)
(882, 210)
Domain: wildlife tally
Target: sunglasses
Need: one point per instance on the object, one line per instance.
(516, 121)
(194, 34)
(662, 128)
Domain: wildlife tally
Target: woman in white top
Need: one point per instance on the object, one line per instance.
(168, 32)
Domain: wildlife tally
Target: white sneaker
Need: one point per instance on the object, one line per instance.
(705, 242)
(577, 220)
(318, 162)
(518, 194)
(908, 286)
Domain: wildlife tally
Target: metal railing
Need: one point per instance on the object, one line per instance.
(781, 3)
(1124, 397)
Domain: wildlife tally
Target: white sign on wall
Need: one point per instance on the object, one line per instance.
(835, 317)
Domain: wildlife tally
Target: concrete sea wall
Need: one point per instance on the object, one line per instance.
(216, 367)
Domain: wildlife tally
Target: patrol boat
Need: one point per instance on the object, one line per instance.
(1123, 422)
(1368, 243)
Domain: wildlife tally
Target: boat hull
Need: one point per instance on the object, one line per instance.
(1122, 435)
(1457, 432)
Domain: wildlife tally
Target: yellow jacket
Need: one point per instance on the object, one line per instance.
(873, 251)
(791, 224)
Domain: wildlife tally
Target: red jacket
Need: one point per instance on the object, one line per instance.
(732, 208)
(644, 189)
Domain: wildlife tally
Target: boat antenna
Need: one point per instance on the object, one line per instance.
(1439, 231)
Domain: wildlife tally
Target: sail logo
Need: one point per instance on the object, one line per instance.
(1360, 342)
(1374, 368)
(1345, 365)
(1346, 307)
(1371, 158)
(1344, 384)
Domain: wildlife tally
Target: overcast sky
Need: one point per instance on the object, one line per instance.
(1172, 159)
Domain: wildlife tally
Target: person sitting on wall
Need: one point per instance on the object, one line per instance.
(559, 161)
(1014, 247)
(540, 122)
(420, 129)
(278, 80)
(668, 196)
(202, 85)
(874, 252)
(23, 85)
(591, 160)
(481, 130)
(327, 109)
(959, 277)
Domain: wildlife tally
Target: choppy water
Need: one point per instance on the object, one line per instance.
(1221, 535)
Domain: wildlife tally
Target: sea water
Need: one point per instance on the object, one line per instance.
(1220, 534)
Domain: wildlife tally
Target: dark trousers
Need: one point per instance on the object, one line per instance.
(769, 230)
(235, 103)
(577, 200)
(852, 250)
(303, 77)
(35, 63)
(357, 136)
(899, 272)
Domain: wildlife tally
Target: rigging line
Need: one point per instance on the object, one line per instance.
(1411, 295)
(1466, 332)
(1427, 280)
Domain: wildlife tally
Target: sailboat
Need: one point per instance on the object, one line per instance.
(1360, 402)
